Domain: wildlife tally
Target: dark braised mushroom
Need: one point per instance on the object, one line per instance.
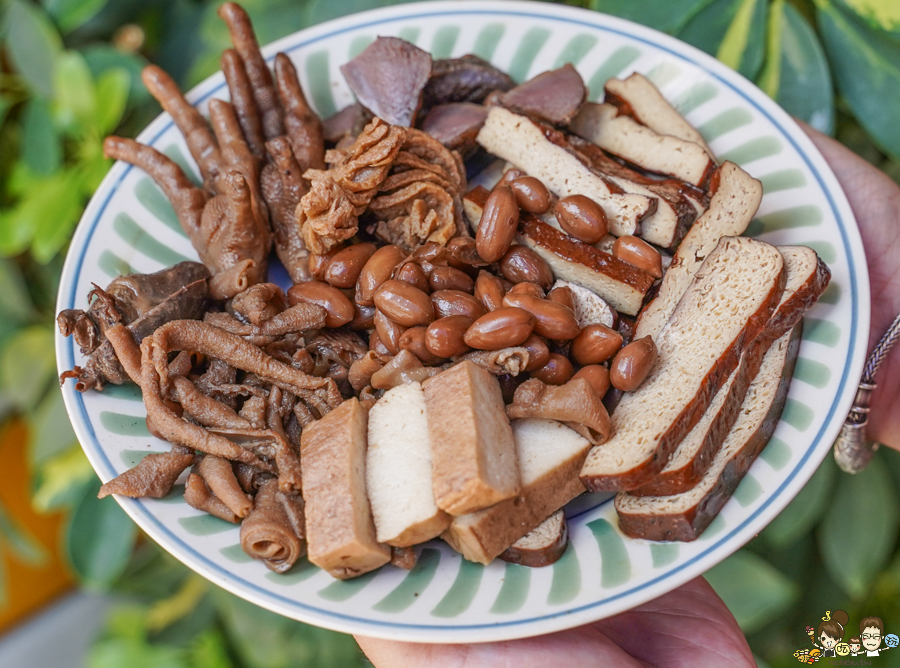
(388, 78)
(554, 96)
(466, 79)
(347, 123)
(456, 125)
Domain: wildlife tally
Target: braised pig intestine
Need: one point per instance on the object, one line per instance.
(273, 531)
(154, 476)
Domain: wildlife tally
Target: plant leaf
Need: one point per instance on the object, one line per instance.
(121, 652)
(209, 650)
(111, 97)
(743, 45)
(27, 365)
(859, 529)
(669, 16)
(752, 589)
(866, 68)
(102, 57)
(60, 209)
(71, 14)
(60, 481)
(51, 430)
(804, 511)
(263, 639)
(75, 102)
(744, 26)
(804, 88)
(41, 146)
(33, 45)
(182, 603)
(15, 302)
(880, 14)
(770, 75)
(99, 540)
(21, 544)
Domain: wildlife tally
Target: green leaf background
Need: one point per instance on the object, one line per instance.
(70, 74)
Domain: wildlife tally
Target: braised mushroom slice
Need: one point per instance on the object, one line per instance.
(456, 125)
(388, 77)
(554, 96)
(466, 79)
(346, 123)
(575, 403)
(403, 368)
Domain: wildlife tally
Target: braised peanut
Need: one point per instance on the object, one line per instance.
(553, 320)
(448, 278)
(430, 252)
(463, 254)
(633, 364)
(489, 289)
(511, 175)
(318, 263)
(562, 295)
(456, 302)
(335, 302)
(377, 345)
(413, 340)
(582, 217)
(523, 265)
(497, 227)
(363, 317)
(538, 352)
(596, 344)
(389, 332)
(531, 194)
(639, 253)
(502, 328)
(345, 267)
(376, 271)
(445, 336)
(413, 274)
(404, 303)
(597, 375)
(532, 289)
(557, 371)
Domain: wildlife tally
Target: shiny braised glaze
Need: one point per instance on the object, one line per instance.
(390, 289)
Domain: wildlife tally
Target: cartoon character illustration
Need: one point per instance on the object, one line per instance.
(806, 656)
(854, 646)
(831, 631)
(871, 630)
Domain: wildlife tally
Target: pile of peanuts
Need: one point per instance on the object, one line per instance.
(485, 293)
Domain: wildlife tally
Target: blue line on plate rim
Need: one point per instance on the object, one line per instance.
(140, 508)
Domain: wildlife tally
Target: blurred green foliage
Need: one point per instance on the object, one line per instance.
(70, 74)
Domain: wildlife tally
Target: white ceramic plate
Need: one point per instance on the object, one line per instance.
(129, 226)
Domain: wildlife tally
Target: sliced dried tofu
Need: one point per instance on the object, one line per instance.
(340, 533)
(685, 516)
(550, 456)
(399, 470)
(725, 308)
